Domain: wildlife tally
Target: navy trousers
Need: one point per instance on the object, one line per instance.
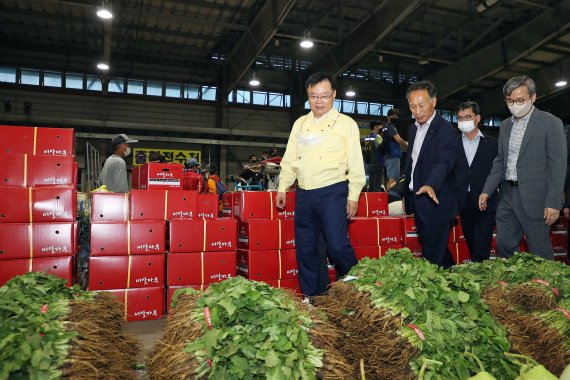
(321, 211)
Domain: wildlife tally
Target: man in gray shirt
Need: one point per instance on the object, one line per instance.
(114, 173)
(529, 170)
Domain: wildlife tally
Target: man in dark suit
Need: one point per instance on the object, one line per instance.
(530, 168)
(474, 162)
(431, 156)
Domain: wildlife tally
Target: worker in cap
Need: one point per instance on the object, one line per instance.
(114, 173)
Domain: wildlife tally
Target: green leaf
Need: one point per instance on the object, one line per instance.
(462, 296)
(228, 305)
(410, 293)
(271, 359)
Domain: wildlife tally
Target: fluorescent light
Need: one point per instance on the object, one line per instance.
(561, 83)
(102, 66)
(350, 92)
(104, 13)
(306, 44)
(423, 61)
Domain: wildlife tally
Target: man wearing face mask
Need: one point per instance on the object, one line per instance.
(114, 173)
(529, 169)
(474, 162)
(323, 155)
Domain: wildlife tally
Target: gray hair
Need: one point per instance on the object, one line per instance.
(422, 85)
(516, 82)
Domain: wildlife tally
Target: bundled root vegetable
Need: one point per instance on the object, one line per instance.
(542, 335)
(243, 329)
(441, 315)
(369, 334)
(49, 331)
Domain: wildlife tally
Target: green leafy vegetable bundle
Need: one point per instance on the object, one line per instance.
(442, 315)
(530, 296)
(240, 329)
(49, 331)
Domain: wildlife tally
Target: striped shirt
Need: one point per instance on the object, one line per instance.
(517, 134)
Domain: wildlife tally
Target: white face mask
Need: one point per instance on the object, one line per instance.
(127, 152)
(520, 110)
(466, 126)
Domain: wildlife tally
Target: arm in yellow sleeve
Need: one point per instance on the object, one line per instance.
(287, 176)
(356, 177)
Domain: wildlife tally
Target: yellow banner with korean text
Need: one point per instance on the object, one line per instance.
(171, 156)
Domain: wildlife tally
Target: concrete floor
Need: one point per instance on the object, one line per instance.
(148, 332)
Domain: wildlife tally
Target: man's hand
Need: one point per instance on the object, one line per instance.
(551, 215)
(351, 207)
(429, 191)
(281, 200)
(483, 201)
(567, 212)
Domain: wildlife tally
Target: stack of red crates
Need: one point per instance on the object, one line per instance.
(457, 243)
(127, 254)
(202, 246)
(372, 231)
(38, 179)
(266, 237)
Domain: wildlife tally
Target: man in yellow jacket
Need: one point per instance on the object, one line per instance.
(323, 154)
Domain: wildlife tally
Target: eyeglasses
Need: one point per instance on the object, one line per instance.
(466, 118)
(520, 102)
(322, 98)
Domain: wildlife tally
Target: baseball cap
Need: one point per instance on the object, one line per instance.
(122, 138)
(192, 162)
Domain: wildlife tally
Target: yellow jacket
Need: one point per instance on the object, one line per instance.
(323, 152)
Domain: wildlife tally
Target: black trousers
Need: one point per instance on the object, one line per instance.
(375, 177)
(477, 228)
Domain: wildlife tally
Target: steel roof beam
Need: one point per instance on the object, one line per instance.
(254, 40)
(501, 54)
(365, 38)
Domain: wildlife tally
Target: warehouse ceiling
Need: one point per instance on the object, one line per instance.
(469, 48)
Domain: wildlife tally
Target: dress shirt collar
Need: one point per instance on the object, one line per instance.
(523, 119)
(332, 114)
(427, 123)
(478, 135)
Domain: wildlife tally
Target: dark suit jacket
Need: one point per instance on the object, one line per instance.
(541, 163)
(434, 168)
(476, 174)
(567, 181)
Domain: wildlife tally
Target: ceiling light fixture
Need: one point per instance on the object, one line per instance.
(104, 11)
(485, 4)
(350, 92)
(306, 42)
(423, 61)
(254, 81)
(102, 66)
(561, 83)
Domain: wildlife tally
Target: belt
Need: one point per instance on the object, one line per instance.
(512, 183)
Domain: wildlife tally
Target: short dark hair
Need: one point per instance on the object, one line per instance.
(392, 112)
(422, 85)
(469, 104)
(374, 123)
(251, 155)
(212, 168)
(318, 78)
